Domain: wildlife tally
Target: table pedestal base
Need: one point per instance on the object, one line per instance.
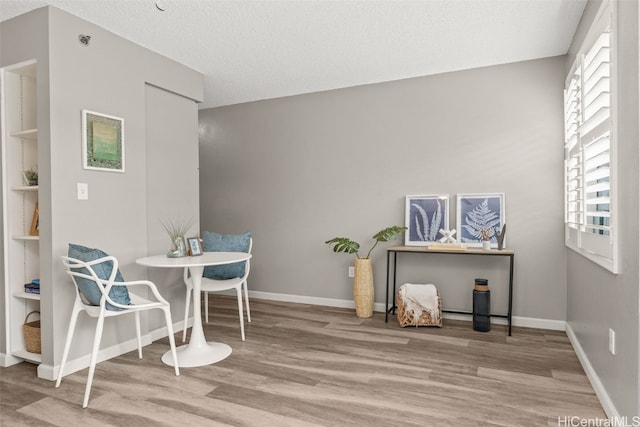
(189, 357)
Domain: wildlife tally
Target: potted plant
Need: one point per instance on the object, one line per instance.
(30, 177)
(363, 293)
(177, 228)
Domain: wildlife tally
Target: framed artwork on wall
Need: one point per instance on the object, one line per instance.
(425, 216)
(479, 215)
(102, 142)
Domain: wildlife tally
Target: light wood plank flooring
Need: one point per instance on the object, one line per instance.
(305, 365)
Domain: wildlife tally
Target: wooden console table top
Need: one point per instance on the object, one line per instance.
(474, 251)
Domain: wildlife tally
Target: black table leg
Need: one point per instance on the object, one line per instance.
(511, 260)
(393, 297)
(386, 301)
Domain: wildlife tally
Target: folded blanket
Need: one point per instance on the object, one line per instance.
(420, 298)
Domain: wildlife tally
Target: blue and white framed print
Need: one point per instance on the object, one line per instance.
(425, 216)
(479, 217)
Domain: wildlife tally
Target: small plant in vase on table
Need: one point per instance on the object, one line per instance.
(177, 229)
(363, 292)
(486, 238)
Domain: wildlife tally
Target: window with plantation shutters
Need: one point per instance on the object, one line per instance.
(589, 139)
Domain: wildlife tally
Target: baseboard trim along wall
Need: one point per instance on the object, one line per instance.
(49, 372)
(7, 360)
(526, 322)
(598, 387)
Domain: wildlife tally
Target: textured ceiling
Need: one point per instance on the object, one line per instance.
(260, 49)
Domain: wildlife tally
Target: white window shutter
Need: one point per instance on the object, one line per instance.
(588, 164)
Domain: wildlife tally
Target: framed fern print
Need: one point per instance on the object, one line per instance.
(425, 216)
(478, 215)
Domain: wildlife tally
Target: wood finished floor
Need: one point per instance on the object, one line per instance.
(305, 365)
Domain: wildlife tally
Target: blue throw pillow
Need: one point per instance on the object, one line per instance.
(214, 242)
(89, 288)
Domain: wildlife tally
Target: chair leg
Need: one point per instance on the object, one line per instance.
(172, 341)
(137, 313)
(186, 313)
(246, 299)
(239, 292)
(206, 307)
(94, 357)
(67, 345)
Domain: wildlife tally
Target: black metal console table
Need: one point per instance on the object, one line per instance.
(392, 253)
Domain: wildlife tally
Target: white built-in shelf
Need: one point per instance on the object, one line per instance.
(27, 295)
(25, 188)
(30, 357)
(20, 146)
(31, 134)
(26, 237)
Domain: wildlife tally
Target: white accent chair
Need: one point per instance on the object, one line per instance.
(74, 269)
(213, 285)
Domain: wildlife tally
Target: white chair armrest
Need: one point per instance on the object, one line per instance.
(108, 284)
(149, 284)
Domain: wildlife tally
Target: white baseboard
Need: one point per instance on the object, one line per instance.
(301, 299)
(533, 322)
(598, 387)
(527, 322)
(49, 372)
(7, 360)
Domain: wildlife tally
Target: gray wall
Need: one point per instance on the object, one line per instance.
(597, 299)
(300, 170)
(111, 76)
(172, 128)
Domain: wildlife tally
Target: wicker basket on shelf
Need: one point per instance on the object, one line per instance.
(31, 332)
(406, 319)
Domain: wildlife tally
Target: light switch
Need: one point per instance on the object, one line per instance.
(83, 191)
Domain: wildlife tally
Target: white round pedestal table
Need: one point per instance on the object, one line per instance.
(198, 352)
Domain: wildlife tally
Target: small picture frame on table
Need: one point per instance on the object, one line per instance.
(194, 247)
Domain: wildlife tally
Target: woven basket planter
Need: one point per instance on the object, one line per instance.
(363, 293)
(31, 332)
(406, 319)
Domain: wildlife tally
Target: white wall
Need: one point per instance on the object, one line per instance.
(300, 170)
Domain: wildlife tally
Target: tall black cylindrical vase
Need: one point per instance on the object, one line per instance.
(481, 306)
